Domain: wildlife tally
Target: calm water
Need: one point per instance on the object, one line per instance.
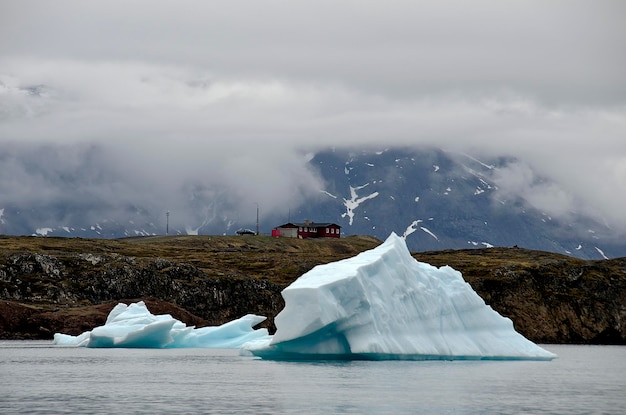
(36, 377)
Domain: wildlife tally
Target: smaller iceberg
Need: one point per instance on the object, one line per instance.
(383, 304)
(133, 326)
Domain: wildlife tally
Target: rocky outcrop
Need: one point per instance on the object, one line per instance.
(562, 303)
(33, 286)
(70, 286)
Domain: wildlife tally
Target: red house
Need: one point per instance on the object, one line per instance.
(307, 230)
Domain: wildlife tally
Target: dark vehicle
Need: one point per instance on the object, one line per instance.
(241, 232)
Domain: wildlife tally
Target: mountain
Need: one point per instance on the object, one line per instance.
(437, 199)
(441, 200)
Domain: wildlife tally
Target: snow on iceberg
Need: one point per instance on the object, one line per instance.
(133, 326)
(383, 304)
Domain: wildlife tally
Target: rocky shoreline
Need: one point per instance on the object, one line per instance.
(50, 285)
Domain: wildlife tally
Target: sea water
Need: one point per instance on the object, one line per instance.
(37, 377)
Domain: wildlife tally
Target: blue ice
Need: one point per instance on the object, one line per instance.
(383, 304)
(133, 326)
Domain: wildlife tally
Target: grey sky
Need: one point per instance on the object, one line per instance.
(237, 93)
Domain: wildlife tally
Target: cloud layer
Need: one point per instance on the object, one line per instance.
(168, 99)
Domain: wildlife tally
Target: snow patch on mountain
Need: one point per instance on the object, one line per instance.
(486, 184)
(141, 232)
(411, 228)
(328, 194)
(355, 201)
(601, 252)
(485, 244)
(429, 232)
(43, 231)
(191, 231)
(485, 165)
(414, 226)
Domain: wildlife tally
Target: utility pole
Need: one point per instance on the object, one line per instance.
(167, 222)
(257, 219)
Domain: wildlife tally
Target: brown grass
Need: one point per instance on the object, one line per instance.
(281, 260)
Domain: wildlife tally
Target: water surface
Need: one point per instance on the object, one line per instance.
(36, 377)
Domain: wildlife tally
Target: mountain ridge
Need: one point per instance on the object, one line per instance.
(442, 200)
(436, 199)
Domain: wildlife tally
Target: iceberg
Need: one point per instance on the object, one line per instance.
(383, 304)
(133, 326)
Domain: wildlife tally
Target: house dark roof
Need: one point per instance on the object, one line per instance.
(309, 224)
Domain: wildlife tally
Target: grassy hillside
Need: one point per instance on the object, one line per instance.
(281, 260)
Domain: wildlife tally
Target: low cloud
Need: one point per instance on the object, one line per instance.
(151, 106)
(518, 180)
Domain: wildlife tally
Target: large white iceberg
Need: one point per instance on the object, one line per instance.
(383, 304)
(133, 326)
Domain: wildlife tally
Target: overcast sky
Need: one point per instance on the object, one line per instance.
(177, 94)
